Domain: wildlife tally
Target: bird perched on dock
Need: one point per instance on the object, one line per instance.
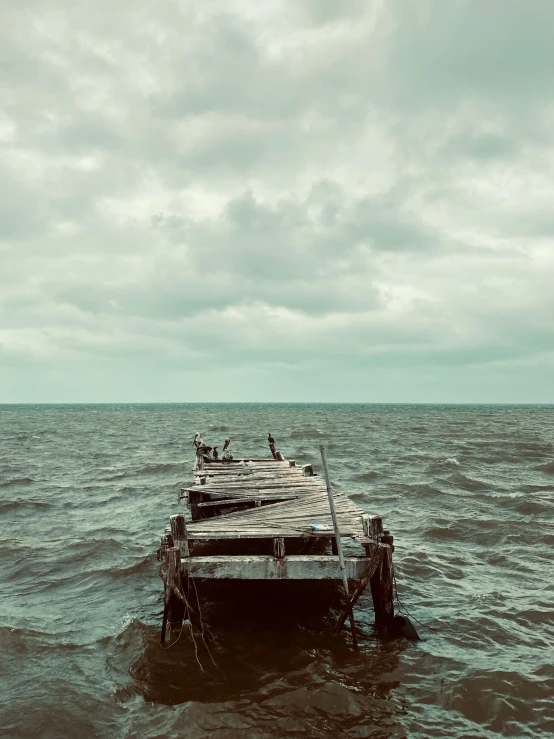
(215, 455)
(195, 442)
(270, 439)
(227, 442)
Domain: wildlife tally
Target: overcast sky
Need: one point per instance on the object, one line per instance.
(313, 200)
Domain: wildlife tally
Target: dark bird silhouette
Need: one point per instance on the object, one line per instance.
(215, 455)
(270, 439)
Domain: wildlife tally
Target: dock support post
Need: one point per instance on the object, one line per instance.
(381, 582)
(174, 610)
(382, 589)
(194, 499)
(339, 544)
(373, 528)
(179, 532)
(279, 547)
(199, 461)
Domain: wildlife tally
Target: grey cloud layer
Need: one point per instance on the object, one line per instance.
(348, 186)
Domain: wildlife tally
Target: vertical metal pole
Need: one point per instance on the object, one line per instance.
(339, 543)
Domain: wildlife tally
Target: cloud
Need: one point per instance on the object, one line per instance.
(354, 192)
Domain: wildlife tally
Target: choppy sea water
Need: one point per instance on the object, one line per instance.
(467, 491)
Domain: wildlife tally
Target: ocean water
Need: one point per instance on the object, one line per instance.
(467, 492)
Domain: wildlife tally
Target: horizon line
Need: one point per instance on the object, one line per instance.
(276, 402)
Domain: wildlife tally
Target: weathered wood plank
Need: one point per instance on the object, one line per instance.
(259, 484)
(242, 500)
(238, 494)
(259, 533)
(292, 567)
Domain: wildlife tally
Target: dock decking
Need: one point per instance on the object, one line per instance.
(268, 519)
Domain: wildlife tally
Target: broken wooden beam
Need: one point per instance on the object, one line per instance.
(370, 570)
(338, 545)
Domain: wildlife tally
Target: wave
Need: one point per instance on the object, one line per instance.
(366, 476)
(548, 468)
(24, 436)
(531, 507)
(89, 551)
(468, 483)
(155, 468)
(423, 489)
(148, 470)
(14, 505)
(17, 481)
(441, 533)
(118, 476)
(451, 463)
(308, 433)
(142, 566)
(537, 488)
(16, 641)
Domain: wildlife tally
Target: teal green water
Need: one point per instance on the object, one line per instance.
(467, 491)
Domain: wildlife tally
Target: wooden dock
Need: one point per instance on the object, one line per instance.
(268, 519)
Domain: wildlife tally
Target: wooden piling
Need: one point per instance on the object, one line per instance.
(199, 461)
(166, 541)
(380, 571)
(179, 532)
(279, 547)
(175, 608)
(194, 499)
(382, 591)
(373, 527)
